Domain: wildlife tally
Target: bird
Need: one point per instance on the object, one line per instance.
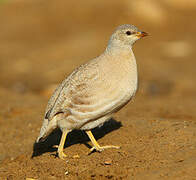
(95, 90)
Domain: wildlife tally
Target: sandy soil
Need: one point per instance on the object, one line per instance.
(41, 42)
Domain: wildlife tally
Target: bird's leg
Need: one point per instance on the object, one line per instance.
(96, 146)
(61, 155)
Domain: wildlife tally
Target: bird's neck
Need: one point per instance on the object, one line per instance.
(120, 51)
(116, 47)
(122, 57)
(122, 63)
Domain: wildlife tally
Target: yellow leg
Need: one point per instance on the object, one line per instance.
(96, 146)
(61, 145)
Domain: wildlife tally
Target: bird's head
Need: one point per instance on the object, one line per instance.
(125, 36)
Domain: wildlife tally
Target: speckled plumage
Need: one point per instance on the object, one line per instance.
(94, 91)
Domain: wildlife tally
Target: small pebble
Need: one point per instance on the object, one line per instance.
(108, 161)
(66, 172)
(76, 156)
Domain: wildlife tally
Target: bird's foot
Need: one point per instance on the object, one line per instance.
(62, 155)
(101, 148)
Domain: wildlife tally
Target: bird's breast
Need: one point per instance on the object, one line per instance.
(123, 77)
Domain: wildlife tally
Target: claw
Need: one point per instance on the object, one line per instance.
(62, 155)
(96, 145)
(101, 148)
(55, 146)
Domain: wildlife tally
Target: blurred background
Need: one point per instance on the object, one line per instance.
(42, 41)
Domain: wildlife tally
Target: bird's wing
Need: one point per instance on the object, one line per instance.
(53, 99)
(63, 94)
(86, 94)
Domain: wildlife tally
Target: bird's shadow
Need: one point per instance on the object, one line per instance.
(74, 137)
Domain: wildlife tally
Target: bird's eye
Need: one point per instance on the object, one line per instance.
(128, 33)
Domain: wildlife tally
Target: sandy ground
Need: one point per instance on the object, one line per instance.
(41, 42)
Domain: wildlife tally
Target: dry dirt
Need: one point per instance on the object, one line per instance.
(41, 42)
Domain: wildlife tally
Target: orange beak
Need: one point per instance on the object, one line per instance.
(142, 34)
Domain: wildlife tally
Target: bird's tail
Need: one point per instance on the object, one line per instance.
(46, 129)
